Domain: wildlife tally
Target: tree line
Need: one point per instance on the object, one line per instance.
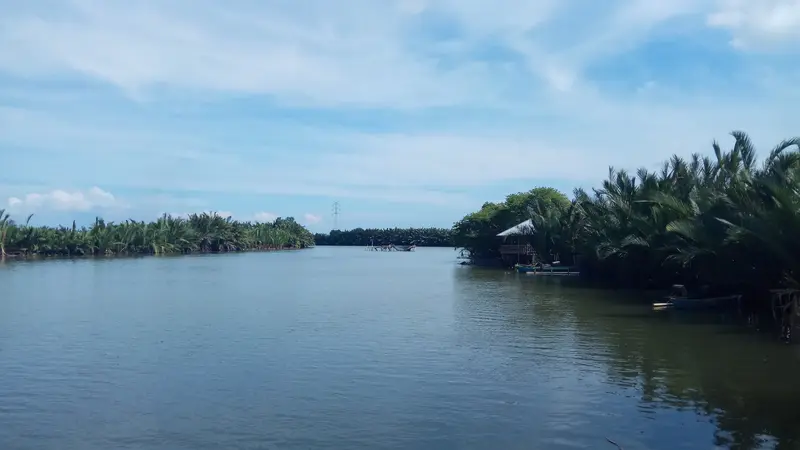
(422, 237)
(206, 232)
(721, 220)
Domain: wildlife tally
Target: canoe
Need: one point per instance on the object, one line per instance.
(689, 303)
(524, 268)
(556, 273)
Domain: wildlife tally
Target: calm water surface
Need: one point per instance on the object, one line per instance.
(338, 348)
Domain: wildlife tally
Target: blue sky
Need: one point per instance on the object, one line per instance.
(406, 112)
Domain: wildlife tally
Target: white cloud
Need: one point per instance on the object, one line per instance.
(759, 23)
(265, 216)
(311, 219)
(419, 166)
(376, 54)
(61, 200)
(315, 51)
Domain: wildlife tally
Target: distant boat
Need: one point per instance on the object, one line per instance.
(405, 248)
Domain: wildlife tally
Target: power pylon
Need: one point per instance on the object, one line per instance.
(335, 213)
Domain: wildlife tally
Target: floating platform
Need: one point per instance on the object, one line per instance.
(546, 269)
(391, 248)
(553, 274)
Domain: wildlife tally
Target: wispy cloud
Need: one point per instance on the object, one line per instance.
(413, 102)
(764, 24)
(312, 52)
(311, 219)
(265, 216)
(374, 53)
(61, 200)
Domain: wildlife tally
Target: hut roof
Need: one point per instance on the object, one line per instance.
(525, 227)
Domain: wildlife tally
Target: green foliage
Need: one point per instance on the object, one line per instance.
(422, 237)
(716, 220)
(198, 233)
(540, 199)
(477, 232)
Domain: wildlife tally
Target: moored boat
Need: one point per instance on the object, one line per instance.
(680, 299)
(524, 268)
(703, 302)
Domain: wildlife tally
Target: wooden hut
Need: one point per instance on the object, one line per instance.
(516, 247)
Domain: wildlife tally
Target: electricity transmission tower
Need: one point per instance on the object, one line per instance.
(335, 214)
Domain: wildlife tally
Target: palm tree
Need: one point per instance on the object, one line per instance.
(5, 224)
(719, 220)
(200, 232)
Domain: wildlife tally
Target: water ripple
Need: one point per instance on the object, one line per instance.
(339, 348)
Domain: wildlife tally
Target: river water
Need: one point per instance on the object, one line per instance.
(339, 348)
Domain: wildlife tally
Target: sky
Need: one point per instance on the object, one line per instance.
(405, 112)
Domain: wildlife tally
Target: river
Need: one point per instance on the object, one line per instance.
(339, 348)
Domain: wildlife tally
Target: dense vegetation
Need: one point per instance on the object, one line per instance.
(722, 220)
(198, 233)
(422, 237)
(477, 231)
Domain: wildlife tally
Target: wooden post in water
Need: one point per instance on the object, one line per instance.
(785, 310)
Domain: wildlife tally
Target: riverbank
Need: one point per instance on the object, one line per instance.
(199, 233)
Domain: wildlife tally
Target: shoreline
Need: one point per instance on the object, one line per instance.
(755, 313)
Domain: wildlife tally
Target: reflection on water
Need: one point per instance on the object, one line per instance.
(341, 348)
(745, 384)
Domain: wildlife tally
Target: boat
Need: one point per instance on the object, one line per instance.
(680, 299)
(405, 248)
(686, 303)
(524, 268)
